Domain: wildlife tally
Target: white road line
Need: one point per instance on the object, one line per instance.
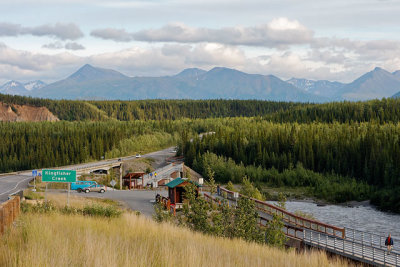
(16, 185)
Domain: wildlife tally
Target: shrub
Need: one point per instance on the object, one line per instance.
(102, 211)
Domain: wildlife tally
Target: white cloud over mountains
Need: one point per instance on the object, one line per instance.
(59, 30)
(283, 47)
(279, 32)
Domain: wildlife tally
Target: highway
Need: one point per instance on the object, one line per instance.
(13, 182)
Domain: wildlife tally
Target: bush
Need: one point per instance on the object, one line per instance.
(102, 211)
(40, 207)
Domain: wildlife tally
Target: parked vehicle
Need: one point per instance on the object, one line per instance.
(138, 156)
(95, 188)
(80, 185)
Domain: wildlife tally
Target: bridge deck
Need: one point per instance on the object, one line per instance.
(357, 245)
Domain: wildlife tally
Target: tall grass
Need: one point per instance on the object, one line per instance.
(60, 240)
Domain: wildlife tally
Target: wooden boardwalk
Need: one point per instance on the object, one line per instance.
(351, 243)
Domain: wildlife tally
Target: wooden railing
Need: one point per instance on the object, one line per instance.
(289, 230)
(9, 211)
(166, 202)
(289, 217)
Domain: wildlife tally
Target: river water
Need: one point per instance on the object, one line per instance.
(363, 218)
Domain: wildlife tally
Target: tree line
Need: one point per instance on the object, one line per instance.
(367, 152)
(378, 111)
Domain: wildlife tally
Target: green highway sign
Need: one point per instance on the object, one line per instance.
(59, 176)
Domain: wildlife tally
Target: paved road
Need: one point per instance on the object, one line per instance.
(12, 183)
(139, 200)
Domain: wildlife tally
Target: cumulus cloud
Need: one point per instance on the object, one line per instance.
(118, 35)
(59, 30)
(74, 46)
(55, 45)
(36, 62)
(279, 32)
(67, 46)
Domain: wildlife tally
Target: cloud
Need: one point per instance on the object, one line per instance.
(59, 30)
(55, 45)
(118, 35)
(74, 46)
(277, 33)
(67, 46)
(34, 62)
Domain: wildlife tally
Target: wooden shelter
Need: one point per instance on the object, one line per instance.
(132, 180)
(176, 189)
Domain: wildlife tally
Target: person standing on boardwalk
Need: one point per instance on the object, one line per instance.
(389, 243)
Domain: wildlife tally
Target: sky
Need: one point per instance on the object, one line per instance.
(325, 40)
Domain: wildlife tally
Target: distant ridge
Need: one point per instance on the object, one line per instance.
(96, 83)
(90, 82)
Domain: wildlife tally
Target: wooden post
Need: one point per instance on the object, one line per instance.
(1, 219)
(120, 176)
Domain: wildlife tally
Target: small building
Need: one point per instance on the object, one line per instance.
(176, 190)
(162, 182)
(134, 180)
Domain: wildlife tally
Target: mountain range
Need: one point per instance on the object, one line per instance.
(17, 88)
(97, 83)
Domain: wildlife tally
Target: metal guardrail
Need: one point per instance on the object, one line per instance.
(291, 217)
(349, 248)
(370, 239)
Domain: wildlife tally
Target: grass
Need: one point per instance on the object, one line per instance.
(56, 239)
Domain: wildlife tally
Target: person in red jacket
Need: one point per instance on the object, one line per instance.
(389, 243)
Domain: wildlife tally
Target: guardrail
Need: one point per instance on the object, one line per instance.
(369, 239)
(290, 217)
(9, 211)
(351, 249)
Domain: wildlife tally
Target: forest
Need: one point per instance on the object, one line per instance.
(339, 151)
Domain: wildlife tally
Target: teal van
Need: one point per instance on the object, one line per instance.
(80, 185)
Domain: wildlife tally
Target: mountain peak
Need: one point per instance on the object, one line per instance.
(88, 72)
(190, 73)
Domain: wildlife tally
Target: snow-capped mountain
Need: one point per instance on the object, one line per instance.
(17, 88)
(33, 85)
(321, 88)
(13, 88)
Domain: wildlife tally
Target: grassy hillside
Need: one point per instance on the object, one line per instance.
(55, 239)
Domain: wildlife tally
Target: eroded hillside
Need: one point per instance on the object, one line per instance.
(11, 112)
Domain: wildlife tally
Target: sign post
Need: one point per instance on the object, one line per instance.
(113, 183)
(34, 174)
(59, 176)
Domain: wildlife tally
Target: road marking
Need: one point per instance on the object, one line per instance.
(16, 185)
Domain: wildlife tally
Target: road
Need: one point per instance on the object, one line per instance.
(138, 200)
(12, 183)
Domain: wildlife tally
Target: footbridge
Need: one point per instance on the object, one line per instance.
(357, 245)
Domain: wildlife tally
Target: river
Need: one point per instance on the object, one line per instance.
(364, 218)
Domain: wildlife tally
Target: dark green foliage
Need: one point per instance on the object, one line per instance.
(331, 187)
(245, 221)
(27, 145)
(274, 234)
(366, 151)
(379, 111)
(161, 214)
(387, 199)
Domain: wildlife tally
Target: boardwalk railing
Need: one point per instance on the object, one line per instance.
(289, 230)
(349, 248)
(370, 239)
(9, 211)
(290, 217)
